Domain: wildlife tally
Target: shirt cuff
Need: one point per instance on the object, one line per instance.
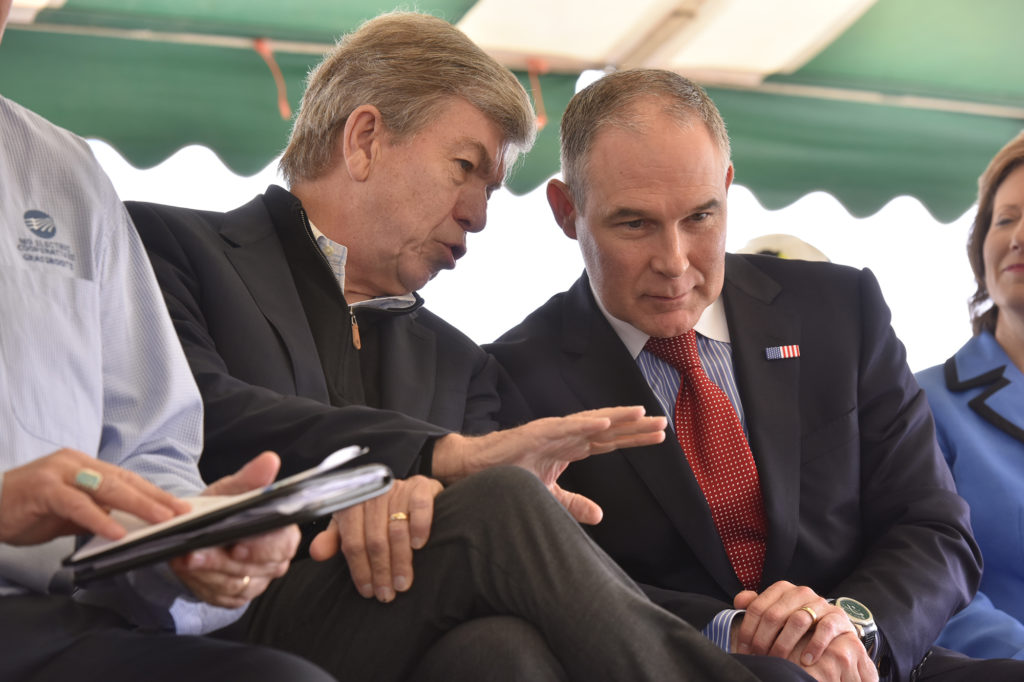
(720, 628)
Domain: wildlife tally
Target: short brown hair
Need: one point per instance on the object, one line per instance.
(1006, 160)
(407, 65)
(608, 102)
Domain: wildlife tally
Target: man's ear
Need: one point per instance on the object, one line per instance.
(562, 207)
(729, 176)
(361, 140)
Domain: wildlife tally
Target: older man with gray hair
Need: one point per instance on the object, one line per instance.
(299, 316)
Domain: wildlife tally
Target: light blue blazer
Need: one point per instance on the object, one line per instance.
(978, 401)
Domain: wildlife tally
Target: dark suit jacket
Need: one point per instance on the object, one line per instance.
(234, 304)
(858, 498)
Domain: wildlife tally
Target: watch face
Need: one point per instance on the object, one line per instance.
(854, 609)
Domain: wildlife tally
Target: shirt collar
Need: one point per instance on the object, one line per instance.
(712, 324)
(335, 253)
(316, 231)
(337, 257)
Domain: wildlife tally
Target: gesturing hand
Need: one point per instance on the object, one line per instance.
(547, 446)
(378, 537)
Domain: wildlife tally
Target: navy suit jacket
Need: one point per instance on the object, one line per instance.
(237, 312)
(858, 499)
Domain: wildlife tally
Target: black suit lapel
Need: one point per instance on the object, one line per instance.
(601, 372)
(769, 390)
(255, 252)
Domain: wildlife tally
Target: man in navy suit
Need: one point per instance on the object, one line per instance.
(861, 548)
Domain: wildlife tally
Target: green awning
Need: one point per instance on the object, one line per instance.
(913, 98)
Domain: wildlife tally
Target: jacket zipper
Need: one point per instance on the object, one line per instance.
(356, 341)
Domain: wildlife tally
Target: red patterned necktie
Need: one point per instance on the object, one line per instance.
(712, 438)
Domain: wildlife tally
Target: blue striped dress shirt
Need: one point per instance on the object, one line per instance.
(715, 352)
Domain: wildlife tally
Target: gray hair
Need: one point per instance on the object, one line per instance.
(408, 65)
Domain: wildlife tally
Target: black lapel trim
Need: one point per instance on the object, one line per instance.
(977, 403)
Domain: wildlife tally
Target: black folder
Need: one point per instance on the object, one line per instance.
(221, 520)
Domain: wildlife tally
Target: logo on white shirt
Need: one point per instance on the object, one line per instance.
(42, 249)
(40, 224)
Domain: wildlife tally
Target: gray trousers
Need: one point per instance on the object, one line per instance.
(500, 546)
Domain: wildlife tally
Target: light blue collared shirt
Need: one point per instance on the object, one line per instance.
(337, 258)
(88, 357)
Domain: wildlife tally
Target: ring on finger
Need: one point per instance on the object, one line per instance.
(246, 579)
(399, 516)
(88, 479)
(810, 612)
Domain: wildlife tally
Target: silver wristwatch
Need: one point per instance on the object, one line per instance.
(862, 620)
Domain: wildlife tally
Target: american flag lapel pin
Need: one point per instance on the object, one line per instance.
(782, 352)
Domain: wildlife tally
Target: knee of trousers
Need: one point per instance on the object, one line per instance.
(502, 495)
(495, 648)
(501, 486)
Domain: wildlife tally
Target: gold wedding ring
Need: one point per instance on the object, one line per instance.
(811, 613)
(399, 516)
(246, 579)
(88, 479)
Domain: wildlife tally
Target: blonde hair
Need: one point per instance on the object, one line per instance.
(609, 102)
(407, 65)
(1008, 159)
